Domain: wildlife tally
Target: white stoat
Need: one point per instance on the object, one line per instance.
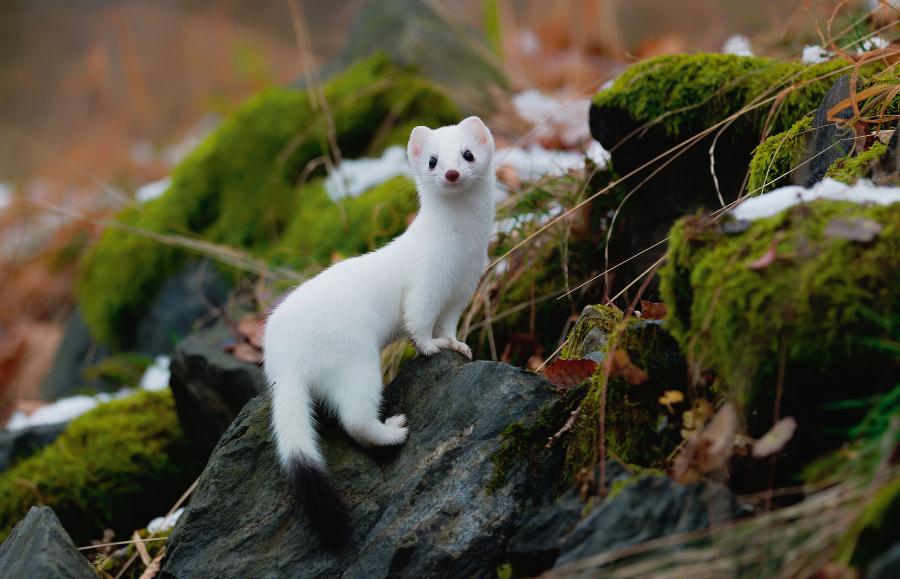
(324, 341)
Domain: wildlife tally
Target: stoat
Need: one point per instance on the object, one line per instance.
(324, 341)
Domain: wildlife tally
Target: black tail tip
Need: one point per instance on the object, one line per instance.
(323, 505)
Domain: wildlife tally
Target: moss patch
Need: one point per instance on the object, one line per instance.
(685, 94)
(774, 158)
(639, 430)
(239, 187)
(121, 370)
(116, 466)
(851, 169)
(814, 306)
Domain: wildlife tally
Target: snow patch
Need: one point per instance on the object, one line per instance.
(163, 524)
(156, 376)
(153, 190)
(738, 45)
(534, 162)
(874, 43)
(353, 177)
(814, 54)
(555, 117)
(768, 204)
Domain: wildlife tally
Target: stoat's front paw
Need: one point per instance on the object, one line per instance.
(428, 348)
(455, 345)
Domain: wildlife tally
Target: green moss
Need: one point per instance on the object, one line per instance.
(813, 306)
(688, 93)
(350, 226)
(116, 466)
(239, 186)
(119, 370)
(774, 158)
(851, 169)
(639, 430)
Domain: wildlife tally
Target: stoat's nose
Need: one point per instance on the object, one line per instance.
(451, 175)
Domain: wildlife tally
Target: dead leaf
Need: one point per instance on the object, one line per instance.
(253, 327)
(153, 568)
(245, 352)
(769, 257)
(855, 229)
(624, 368)
(653, 310)
(694, 420)
(567, 373)
(774, 440)
(671, 397)
(709, 451)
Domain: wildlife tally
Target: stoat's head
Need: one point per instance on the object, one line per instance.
(453, 160)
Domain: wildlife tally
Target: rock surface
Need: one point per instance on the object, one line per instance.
(76, 353)
(40, 548)
(18, 444)
(829, 142)
(886, 566)
(210, 386)
(420, 510)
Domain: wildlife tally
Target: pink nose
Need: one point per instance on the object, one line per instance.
(451, 175)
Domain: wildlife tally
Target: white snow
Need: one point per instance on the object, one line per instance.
(162, 524)
(155, 378)
(151, 191)
(814, 54)
(354, 177)
(776, 201)
(556, 117)
(873, 43)
(739, 45)
(534, 162)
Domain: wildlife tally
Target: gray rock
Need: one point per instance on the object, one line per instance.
(18, 444)
(210, 386)
(420, 510)
(76, 352)
(887, 566)
(39, 548)
(536, 546)
(183, 299)
(650, 508)
(829, 143)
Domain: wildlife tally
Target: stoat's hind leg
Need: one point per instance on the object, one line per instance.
(354, 392)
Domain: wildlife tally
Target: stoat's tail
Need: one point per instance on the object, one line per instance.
(293, 422)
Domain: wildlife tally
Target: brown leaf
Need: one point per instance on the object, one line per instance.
(769, 257)
(623, 367)
(855, 229)
(710, 450)
(774, 440)
(253, 327)
(671, 397)
(245, 352)
(567, 373)
(653, 310)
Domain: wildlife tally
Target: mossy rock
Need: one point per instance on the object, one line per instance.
(240, 186)
(853, 168)
(809, 320)
(775, 158)
(639, 430)
(117, 466)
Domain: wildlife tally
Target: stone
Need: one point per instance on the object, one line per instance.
(76, 353)
(210, 386)
(18, 444)
(829, 142)
(39, 548)
(648, 508)
(419, 510)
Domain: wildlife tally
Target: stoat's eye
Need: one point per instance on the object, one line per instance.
(432, 162)
(468, 156)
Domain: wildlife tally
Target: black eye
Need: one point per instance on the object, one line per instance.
(468, 156)
(432, 162)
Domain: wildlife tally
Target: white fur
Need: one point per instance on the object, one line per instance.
(324, 341)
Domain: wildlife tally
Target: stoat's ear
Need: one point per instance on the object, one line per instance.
(417, 140)
(475, 127)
